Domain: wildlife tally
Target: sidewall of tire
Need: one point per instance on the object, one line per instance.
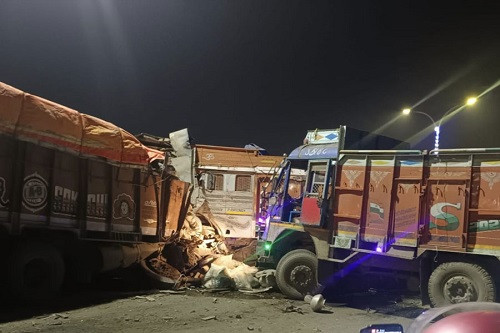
(286, 264)
(21, 256)
(483, 282)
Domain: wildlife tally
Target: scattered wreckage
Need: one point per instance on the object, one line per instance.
(223, 222)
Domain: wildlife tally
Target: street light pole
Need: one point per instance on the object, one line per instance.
(437, 126)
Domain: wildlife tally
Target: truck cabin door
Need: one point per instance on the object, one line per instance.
(317, 194)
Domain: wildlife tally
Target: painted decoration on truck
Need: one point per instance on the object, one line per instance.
(377, 210)
(124, 207)
(351, 175)
(484, 225)
(209, 156)
(3, 190)
(65, 200)
(452, 222)
(322, 136)
(97, 205)
(491, 178)
(34, 192)
(410, 163)
(378, 176)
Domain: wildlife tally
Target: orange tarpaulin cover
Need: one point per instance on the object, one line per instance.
(31, 118)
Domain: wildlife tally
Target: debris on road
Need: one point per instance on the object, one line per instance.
(172, 292)
(255, 291)
(196, 256)
(317, 303)
(292, 308)
(60, 316)
(147, 298)
(209, 318)
(267, 278)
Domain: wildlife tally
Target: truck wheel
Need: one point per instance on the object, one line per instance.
(36, 271)
(296, 273)
(458, 282)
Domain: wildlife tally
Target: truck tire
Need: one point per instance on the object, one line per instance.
(458, 282)
(296, 273)
(36, 271)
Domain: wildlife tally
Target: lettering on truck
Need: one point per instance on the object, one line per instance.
(484, 225)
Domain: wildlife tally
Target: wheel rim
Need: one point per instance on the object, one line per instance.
(460, 289)
(301, 276)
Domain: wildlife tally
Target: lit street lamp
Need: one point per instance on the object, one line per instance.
(437, 126)
(407, 111)
(471, 100)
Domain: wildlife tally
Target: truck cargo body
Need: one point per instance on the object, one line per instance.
(78, 196)
(232, 180)
(430, 218)
(43, 188)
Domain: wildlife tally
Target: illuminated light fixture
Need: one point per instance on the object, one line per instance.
(406, 111)
(267, 246)
(379, 249)
(471, 100)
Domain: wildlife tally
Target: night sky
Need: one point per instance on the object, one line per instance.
(236, 71)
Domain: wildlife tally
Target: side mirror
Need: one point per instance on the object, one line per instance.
(383, 328)
(210, 182)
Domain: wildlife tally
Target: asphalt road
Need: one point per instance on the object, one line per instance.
(202, 311)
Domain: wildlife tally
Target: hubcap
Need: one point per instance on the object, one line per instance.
(459, 289)
(301, 276)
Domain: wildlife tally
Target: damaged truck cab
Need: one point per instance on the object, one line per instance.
(426, 218)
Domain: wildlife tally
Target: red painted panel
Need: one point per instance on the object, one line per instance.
(311, 213)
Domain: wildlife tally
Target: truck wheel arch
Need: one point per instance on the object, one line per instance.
(289, 240)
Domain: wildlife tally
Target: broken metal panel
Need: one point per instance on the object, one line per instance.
(179, 192)
(183, 168)
(182, 161)
(180, 142)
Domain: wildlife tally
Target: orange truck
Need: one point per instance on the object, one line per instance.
(431, 219)
(78, 196)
